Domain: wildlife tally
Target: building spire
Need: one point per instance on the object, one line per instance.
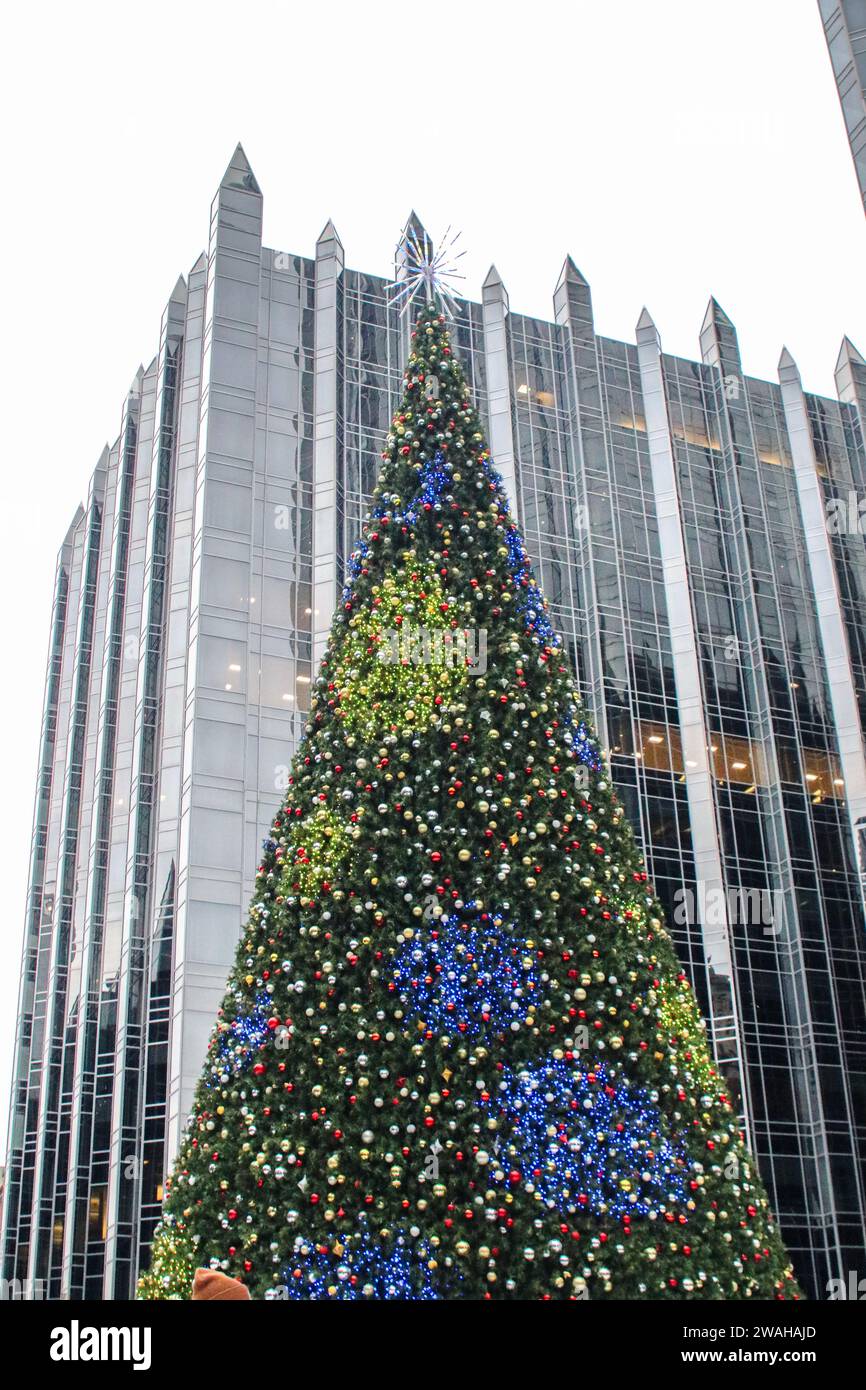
(848, 353)
(850, 375)
(239, 173)
(328, 233)
(645, 320)
(415, 228)
(493, 280)
(715, 317)
(719, 345)
(788, 366)
(570, 275)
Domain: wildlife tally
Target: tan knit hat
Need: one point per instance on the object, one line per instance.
(209, 1284)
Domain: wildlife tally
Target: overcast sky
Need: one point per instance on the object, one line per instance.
(677, 149)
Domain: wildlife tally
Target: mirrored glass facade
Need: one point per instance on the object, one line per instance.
(678, 513)
(845, 30)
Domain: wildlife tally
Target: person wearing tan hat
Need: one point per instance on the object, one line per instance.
(210, 1284)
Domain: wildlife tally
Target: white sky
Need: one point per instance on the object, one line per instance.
(676, 148)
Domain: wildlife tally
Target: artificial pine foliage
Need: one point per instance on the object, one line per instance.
(457, 1057)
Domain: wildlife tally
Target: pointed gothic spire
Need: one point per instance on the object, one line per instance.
(73, 527)
(719, 345)
(328, 233)
(715, 316)
(850, 374)
(239, 173)
(328, 242)
(493, 279)
(413, 230)
(493, 290)
(849, 354)
(787, 364)
(572, 301)
(179, 293)
(416, 226)
(570, 275)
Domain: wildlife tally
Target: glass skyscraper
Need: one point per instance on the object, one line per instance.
(697, 533)
(845, 30)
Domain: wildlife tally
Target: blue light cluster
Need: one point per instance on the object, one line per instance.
(604, 1136)
(466, 977)
(354, 567)
(496, 482)
(434, 479)
(362, 1270)
(581, 742)
(249, 1032)
(530, 600)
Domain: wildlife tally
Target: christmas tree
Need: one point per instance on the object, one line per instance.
(457, 1057)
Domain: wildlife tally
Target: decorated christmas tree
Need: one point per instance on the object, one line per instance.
(457, 1057)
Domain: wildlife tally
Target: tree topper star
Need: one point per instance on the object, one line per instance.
(423, 268)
